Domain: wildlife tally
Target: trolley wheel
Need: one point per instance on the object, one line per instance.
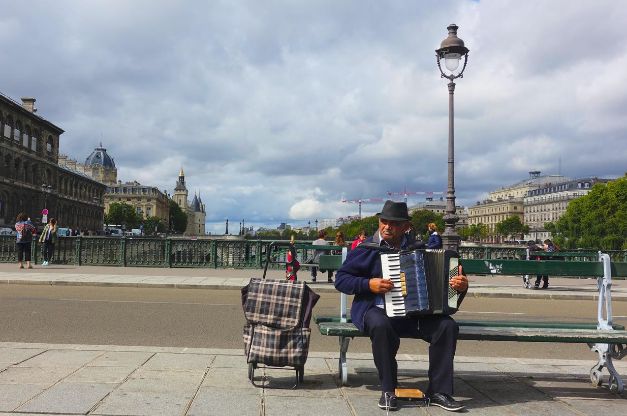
(251, 371)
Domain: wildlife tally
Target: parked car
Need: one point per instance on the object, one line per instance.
(7, 231)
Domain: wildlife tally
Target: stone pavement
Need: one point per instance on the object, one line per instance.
(121, 380)
(116, 380)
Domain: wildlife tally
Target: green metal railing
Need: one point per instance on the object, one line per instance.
(178, 252)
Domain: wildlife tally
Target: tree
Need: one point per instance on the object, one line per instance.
(512, 227)
(597, 220)
(121, 213)
(474, 232)
(153, 225)
(178, 219)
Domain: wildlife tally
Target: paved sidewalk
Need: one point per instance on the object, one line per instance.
(206, 278)
(116, 380)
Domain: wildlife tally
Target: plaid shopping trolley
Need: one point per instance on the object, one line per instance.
(277, 330)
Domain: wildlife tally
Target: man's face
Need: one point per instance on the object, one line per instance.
(392, 231)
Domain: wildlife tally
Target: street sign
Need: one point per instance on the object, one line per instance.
(44, 218)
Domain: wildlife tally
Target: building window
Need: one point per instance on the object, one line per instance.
(49, 143)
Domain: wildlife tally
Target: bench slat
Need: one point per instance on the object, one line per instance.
(498, 332)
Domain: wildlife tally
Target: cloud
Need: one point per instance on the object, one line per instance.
(278, 110)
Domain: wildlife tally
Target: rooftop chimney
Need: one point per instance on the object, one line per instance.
(29, 104)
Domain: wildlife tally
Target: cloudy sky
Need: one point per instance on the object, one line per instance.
(277, 110)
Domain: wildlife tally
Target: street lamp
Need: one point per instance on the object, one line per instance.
(45, 189)
(452, 50)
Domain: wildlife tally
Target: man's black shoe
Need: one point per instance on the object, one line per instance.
(388, 401)
(445, 402)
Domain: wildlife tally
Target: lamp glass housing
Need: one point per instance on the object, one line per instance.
(451, 61)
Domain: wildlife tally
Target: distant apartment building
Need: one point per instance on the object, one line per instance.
(508, 202)
(147, 201)
(548, 203)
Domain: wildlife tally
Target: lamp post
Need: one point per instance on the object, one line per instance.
(452, 49)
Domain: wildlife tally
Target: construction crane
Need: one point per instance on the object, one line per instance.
(362, 201)
(406, 193)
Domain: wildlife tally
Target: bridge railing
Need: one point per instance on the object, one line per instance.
(216, 253)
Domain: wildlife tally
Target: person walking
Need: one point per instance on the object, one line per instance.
(549, 247)
(48, 238)
(25, 232)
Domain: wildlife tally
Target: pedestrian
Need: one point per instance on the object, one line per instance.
(48, 238)
(320, 241)
(549, 247)
(359, 239)
(531, 248)
(25, 232)
(434, 241)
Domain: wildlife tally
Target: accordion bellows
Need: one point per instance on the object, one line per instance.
(277, 315)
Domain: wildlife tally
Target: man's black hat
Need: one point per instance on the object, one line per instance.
(394, 211)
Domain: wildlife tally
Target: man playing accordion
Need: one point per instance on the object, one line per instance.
(361, 275)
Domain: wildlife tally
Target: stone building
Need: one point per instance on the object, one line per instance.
(148, 201)
(548, 203)
(30, 177)
(508, 202)
(195, 209)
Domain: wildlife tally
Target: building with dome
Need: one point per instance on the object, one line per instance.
(99, 166)
(195, 209)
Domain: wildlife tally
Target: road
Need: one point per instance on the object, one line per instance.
(214, 319)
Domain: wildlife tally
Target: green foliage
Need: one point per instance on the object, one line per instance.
(474, 232)
(352, 229)
(121, 213)
(154, 223)
(178, 219)
(597, 220)
(512, 227)
(420, 218)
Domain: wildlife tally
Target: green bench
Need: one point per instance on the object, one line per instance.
(608, 340)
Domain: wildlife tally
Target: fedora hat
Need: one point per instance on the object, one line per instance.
(394, 211)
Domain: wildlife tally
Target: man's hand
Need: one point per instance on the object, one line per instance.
(379, 285)
(459, 282)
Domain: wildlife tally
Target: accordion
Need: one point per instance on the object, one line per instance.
(421, 282)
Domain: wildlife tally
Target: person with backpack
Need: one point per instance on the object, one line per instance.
(48, 238)
(25, 232)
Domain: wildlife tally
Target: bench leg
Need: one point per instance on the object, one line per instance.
(606, 353)
(342, 364)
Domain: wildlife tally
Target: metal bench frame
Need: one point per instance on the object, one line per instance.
(607, 340)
